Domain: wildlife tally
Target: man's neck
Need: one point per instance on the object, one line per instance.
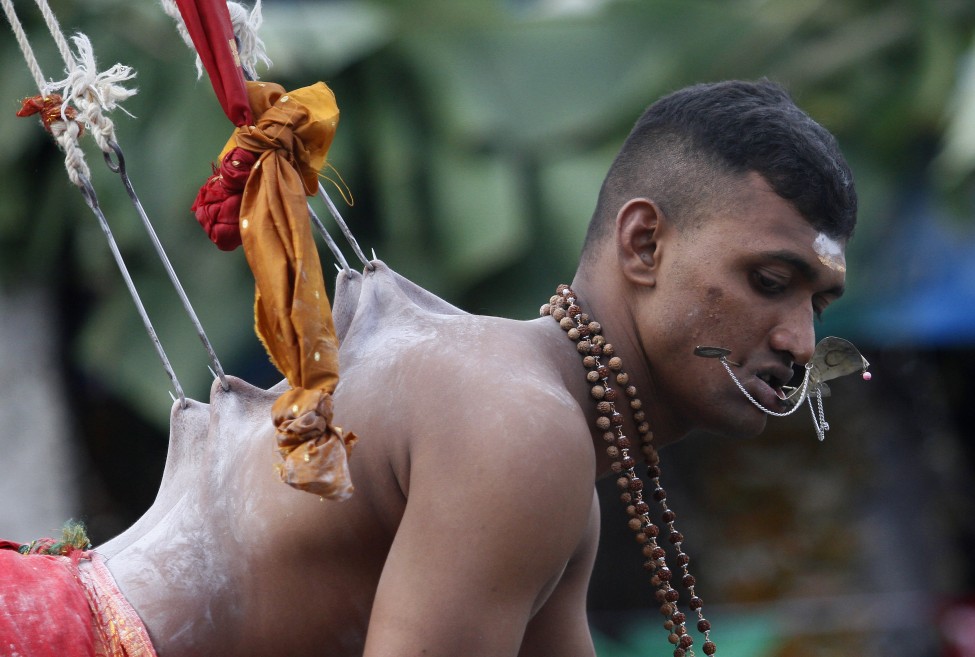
(605, 299)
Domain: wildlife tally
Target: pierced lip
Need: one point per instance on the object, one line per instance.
(776, 376)
(772, 381)
(767, 394)
(791, 396)
(792, 391)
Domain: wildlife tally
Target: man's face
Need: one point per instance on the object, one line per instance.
(752, 278)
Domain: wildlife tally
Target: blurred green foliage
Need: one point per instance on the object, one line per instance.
(474, 137)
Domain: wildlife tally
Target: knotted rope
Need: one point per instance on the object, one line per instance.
(66, 131)
(94, 93)
(88, 90)
(85, 95)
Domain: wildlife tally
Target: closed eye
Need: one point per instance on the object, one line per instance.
(767, 284)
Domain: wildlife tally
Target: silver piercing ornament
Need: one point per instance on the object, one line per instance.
(832, 358)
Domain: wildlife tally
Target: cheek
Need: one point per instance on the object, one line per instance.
(713, 300)
(704, 315)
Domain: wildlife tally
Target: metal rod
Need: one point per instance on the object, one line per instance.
(332, 246)
(118, 167)
(88, 192)
(344, 228)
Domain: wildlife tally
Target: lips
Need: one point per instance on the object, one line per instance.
(792, 397)
(773, 383)
(769, 386)
(768, 392)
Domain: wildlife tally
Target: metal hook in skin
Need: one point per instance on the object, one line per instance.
(88, 192)
(332, 246)
(329, 242)
(715, 352)
(344, 228)
(118, 166)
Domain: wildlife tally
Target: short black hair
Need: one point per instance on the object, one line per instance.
(687, 146)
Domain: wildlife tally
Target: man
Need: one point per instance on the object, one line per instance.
(473, 527)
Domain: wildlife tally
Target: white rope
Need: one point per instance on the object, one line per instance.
(250, 47)
(24, 44)
(65, 132)
(91, 92)
(55, 28)
(170, 9)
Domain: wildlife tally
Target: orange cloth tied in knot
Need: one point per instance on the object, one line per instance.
(291, 135)
(313, 450)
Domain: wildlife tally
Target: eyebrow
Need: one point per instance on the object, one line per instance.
(805, 269)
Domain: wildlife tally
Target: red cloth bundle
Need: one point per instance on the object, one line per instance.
(217, 205)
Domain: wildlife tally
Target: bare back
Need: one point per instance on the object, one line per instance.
(472, 528)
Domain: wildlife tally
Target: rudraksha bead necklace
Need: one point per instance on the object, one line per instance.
(587, 334)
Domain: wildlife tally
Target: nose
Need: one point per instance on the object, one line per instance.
(795, 335)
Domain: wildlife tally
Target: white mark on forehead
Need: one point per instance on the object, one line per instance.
(830, 252)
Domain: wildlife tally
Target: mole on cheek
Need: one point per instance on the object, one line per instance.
(714, 294)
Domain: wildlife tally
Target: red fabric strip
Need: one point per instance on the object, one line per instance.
(208, 22)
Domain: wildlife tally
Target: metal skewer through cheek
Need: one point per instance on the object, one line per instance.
(822, 426)
(833, 357)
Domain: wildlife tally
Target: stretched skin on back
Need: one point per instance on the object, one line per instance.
(472, 529)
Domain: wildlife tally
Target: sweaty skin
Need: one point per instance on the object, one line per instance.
(472, 530)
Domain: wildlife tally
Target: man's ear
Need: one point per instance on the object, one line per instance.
(640, 225)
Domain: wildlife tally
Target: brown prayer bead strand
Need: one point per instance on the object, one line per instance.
(639, 511)
(676, 622)
(598, 375)
(564, 308)
(687, 580)
(640, 522)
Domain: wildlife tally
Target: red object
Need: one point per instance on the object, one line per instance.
(217, 205)
(208, 23)
(64, 605)
(43, 609)
(50, 109)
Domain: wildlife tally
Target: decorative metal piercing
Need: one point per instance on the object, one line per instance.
(832, 358)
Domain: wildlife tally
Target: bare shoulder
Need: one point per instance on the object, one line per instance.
(464, 386)
(446, 395)
(507, 437)
(498, 400)
(483, 463)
